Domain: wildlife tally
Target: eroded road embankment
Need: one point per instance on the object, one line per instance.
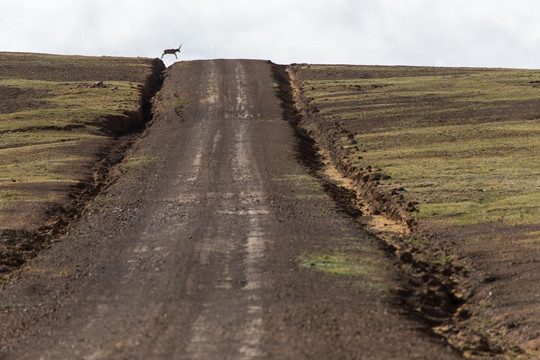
(208, 246)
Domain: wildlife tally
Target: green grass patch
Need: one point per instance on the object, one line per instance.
(306, 181)
(338, 264)
(7, 196)
(353, 265)
(531, 238)
(141, 160)
(62, 104)
(310, 186)
(37, 163)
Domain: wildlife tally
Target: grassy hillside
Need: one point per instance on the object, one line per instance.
(462, 142)
(462, 145)
(54, 129)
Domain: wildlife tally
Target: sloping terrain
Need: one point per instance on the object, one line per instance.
(216, 242)
(452, 153)
(61, 121)
(235, 225)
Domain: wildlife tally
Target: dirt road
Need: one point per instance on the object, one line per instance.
(196, 250)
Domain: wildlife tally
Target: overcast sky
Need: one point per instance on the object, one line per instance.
(491, 33)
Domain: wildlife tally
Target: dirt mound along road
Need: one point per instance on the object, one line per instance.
(215, 243)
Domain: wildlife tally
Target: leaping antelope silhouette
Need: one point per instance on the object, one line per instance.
(172, 51)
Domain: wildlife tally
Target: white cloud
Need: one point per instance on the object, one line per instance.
(419, 32)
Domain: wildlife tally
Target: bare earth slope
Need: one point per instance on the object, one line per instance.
(207, 248)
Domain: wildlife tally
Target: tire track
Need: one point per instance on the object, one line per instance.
(239, 205)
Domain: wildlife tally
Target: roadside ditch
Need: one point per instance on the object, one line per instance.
(431, 291)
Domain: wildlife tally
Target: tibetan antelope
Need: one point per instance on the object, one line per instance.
(172, 51)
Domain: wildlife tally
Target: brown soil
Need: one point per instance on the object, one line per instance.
(198, 249)
(18, 99)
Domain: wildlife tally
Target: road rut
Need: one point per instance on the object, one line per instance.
(198, 250)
